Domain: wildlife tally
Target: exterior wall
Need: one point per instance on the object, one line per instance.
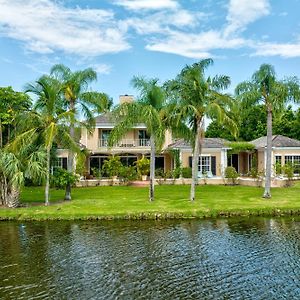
(261, 160)
(168, 139)
(62, 153)
(275, 152)
(211, 152)
(90, 141)
(168, 162)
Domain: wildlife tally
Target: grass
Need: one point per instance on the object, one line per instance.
(121, 202)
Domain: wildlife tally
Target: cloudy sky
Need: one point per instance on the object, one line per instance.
(153, 38)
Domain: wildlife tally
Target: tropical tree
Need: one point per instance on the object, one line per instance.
(79, 100)
(48, 123)
(147, 110)
(196, 97)
(15, 166)
(264, 88)
(12, 104)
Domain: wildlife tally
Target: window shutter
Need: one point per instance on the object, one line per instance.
(213, 165)
(65, 163)
(190, 161)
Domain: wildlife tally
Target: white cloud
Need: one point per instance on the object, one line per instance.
(147, 4)
(101, 68)
(46, 26)
(161, 22)
(288, 50)
(195, 45)
(201, 44)
(243, 12)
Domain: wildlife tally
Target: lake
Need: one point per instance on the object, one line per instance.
(246, 258)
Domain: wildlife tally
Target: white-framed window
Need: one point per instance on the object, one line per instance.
(278, 159)
(58, 163)
(294, 160)
(204, 164)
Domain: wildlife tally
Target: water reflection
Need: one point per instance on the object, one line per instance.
(255, 258)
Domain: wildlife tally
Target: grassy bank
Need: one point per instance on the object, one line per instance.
(171, 202)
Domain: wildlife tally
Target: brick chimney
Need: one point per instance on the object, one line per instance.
(126, 98)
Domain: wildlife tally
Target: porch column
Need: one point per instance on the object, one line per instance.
(223, 161)
(180, 162)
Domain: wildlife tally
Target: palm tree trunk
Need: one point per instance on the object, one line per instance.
(13, 198)
(68, 192)
(195, 161)
(267, 192)
(1, 135)
(152, 169)
(47, 178)
(71, 167)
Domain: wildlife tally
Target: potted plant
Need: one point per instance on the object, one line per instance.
(143, 167)
(112, 166)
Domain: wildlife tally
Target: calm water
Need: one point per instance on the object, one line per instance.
(213, 259)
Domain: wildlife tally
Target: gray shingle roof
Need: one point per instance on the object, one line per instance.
(277, 141)
(207, 143)
(108, 120)
(105, 119)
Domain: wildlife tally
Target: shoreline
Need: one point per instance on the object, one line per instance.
(145, 216)
(171, 202)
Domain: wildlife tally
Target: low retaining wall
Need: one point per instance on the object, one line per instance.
(276, 182)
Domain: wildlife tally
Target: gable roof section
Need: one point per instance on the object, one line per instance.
(277, 141)
(207, 143)
(108, 120)
(105, 119)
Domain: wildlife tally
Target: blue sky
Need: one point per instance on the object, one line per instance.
(153, 38)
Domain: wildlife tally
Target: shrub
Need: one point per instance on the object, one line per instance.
(186, 172)
(112, 166)
(159, 173)
(231, 174)
(288, 170)
(96, 173)
(143, 166)
(278, 168)
(61, 178)
(128, 173)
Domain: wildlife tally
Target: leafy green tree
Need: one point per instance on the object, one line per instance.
(264, 88)
(197, 97)
(12, 103)
(284, 124)
(48, 123)
(148, 110)
(79, 100)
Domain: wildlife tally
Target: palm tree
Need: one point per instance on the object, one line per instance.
(274, 94)
(148, 110)
(79, 100)
(195, 98)
(49, 123)
(15, 166)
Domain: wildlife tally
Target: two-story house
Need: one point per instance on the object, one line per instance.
(134, 144)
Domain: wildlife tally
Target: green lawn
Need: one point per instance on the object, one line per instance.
(170, 202)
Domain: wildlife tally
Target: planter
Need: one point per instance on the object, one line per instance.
(114, 178)
(144, 177)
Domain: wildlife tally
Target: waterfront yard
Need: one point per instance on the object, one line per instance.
(128, 202)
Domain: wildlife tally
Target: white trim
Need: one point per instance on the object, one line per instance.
(203, 150)
(109, 126)
(286, 148)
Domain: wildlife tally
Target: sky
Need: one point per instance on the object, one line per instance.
(151, 38)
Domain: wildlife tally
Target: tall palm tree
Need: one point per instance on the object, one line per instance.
(148, 110)
(196, 97)
(79, 100)
(274, 94)
(49, 122)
